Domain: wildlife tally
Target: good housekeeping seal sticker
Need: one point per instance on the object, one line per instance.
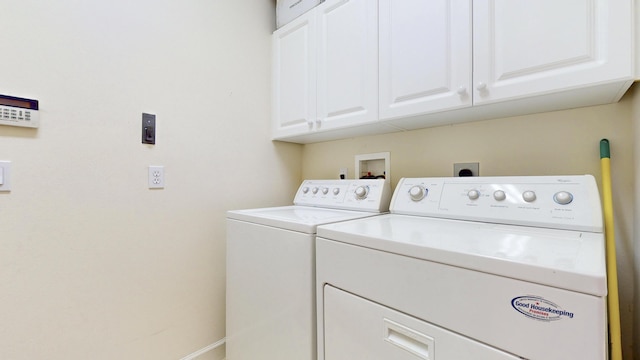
(539, 308)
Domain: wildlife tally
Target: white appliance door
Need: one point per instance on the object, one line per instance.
(356, 328)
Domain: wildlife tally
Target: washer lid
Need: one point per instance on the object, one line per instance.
(296, 218)
(564, 259)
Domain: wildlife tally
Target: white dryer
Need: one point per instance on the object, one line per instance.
(468, 268)
(270, 312)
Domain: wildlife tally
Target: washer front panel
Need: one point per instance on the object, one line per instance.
(269, 293)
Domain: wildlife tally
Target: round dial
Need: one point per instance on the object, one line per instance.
(417, 192)
(473, 194)
(325, 190)
(563, 197)
(529, 196)
(336, 191)
(362, 191)
(499, 195)
(305, 190)
(315, 190)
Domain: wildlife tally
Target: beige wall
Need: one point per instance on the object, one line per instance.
(93, 265)
(555, 143)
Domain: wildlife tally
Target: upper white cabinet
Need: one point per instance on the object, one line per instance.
(525, 48)
(294, 77)
(325, 69)
(347, 63)
(356, 67)
(438, 57)
(425, 56)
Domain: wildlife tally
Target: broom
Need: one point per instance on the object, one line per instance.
(612, 272)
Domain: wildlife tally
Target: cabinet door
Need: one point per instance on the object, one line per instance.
(347, 63)
(524, 48)
(425, 56)
(294, 77)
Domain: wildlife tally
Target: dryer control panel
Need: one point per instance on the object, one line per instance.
(361, 195)
(559, 202)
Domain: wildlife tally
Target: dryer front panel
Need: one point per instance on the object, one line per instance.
(356, 328)
(515, 316)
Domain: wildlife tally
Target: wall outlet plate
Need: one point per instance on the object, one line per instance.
(462, 169)
(156, 177)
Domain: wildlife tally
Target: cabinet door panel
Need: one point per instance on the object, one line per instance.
(294, 77)
(425, 56)
(536, 47)
(347, 63)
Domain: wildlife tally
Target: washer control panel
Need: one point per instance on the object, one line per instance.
(561, 202)
(362, 195)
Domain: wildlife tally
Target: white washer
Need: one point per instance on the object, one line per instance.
(468, 268)
(271, 267)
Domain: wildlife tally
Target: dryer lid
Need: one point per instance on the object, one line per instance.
(572, 260)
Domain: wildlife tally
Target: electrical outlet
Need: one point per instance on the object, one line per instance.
(5, 172)
(344, 173)
(156, 177)
(466, 169)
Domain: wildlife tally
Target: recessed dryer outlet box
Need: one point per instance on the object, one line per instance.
(376, 165)
(466, 169)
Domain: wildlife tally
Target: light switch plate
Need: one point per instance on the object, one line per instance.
(148, 129)
(5, 174)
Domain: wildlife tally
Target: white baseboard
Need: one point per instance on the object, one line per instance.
(205, 350)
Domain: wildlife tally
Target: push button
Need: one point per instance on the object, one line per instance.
(563, 197)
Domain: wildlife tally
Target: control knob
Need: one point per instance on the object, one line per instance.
(361, 192)
(473, 194)
(315, 190)
(305, 190)
(325, 190)
(563, 197)
(417, 192)
(499, 195)
(336, 191)
(529, 196)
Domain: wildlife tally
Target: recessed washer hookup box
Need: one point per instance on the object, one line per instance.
(287, 10)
